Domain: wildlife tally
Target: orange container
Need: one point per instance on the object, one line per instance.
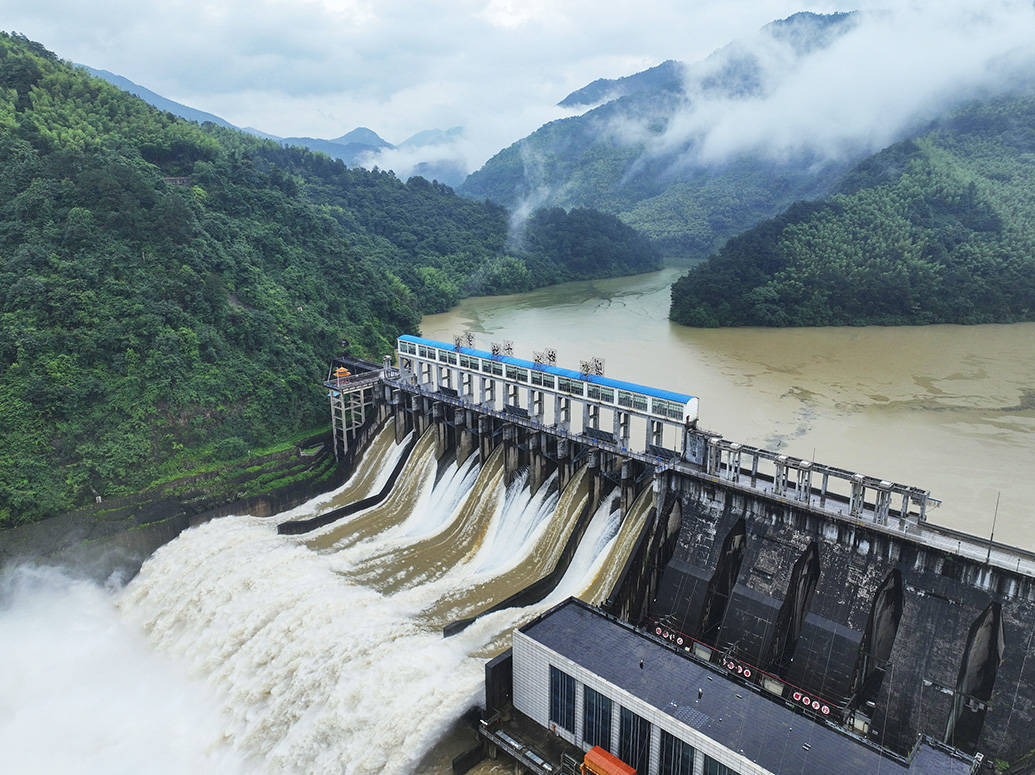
(600, 762)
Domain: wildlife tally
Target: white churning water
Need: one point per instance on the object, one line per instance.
(329, 656)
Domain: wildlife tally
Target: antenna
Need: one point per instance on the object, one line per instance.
(496, 348)
(508, 347)
(466, 339)
(547, 357)
(598, 365)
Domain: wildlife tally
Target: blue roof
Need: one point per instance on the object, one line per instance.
(632, 387)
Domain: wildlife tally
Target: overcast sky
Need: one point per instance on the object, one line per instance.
(322, 67)
(495, 67)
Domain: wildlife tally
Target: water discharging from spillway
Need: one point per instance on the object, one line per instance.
(327, 650)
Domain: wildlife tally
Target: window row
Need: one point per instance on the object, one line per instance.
(634, 732)
(575, 387)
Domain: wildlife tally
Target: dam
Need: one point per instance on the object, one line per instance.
(816, 580)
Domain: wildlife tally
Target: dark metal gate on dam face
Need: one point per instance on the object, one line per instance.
(820, 578)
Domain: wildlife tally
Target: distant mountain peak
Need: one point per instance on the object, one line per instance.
(362, 136)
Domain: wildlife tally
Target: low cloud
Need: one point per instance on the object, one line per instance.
(321, 67)
(893, 71)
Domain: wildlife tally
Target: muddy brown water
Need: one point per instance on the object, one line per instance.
(947, 408)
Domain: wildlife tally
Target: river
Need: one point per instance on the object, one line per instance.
(947, 408)
(237, 649)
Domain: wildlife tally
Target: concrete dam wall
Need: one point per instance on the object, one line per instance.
(910, 638)
(828, 589)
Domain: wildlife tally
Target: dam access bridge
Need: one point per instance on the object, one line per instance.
(814, 576)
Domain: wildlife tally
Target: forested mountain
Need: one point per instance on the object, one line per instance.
(169, 292)
(668, 76)
(938, 228)
(352, 147)
(157, 100)
(629, 156)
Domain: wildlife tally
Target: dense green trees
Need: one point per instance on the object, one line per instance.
(169, 293)
(934, 229)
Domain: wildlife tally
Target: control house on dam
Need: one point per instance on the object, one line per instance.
(784, 591)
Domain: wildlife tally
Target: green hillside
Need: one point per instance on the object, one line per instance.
(169, 292)
(937, 229)
(688, 207)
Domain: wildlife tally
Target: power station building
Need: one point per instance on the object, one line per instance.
(590, 679)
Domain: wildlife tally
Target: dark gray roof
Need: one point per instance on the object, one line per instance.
(736, 717)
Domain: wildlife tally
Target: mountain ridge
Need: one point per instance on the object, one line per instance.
(933, 229)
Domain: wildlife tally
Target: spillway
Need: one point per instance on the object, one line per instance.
(326, 651)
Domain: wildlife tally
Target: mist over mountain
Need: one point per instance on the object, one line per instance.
(760, 123)
(934, 229)
(668, 76)
(428, 153)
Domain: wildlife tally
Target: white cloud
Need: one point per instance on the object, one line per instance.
(894, 71)
(322, 67)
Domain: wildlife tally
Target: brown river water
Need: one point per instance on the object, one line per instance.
(947, 408)
(324, 652)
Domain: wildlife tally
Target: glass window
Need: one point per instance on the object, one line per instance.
(677, 758)
(625, 398)
(562, 699)
(513, 372)
(596, 718)
(639, 402)
(600, 393)
(712, 767)
(426, 352)
(667, 408)
(634, 740)
(537, 378)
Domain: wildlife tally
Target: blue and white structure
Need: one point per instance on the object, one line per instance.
(546, 393)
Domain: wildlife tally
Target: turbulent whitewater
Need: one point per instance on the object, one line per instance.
(324, 653)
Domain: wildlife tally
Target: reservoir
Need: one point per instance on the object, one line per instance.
(324, 652)
(946, 408)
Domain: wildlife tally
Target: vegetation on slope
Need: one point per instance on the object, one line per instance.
(934, 229)
(169, 292)
(613, 158)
